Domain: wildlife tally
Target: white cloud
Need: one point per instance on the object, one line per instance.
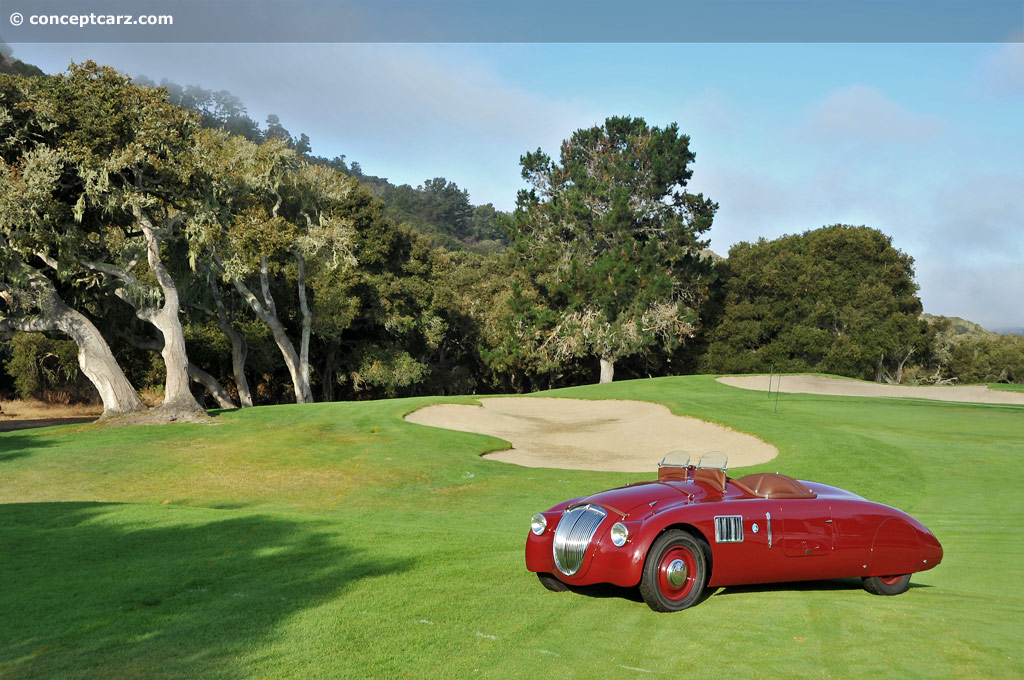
(964, 226)
(751, 205)
(413, 112)
(1004, 70)
(419, 88)
(708, 115)
(987, 293)
(980, 218)
(859, 113)
(407, 112)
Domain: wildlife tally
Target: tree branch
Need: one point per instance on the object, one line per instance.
(242, 289)
(114, 271)
(47, 260)
(268, 298)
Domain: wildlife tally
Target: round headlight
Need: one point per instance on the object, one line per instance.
(538, 524)
(619, 534)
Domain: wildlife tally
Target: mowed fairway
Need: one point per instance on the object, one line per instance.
(337, 540)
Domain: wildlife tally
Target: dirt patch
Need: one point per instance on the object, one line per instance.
(12, 425)
(583, 434)
(815, 384)
(31, 409)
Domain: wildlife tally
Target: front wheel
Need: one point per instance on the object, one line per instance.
(675, 572)
(552, 583)
(887, 585)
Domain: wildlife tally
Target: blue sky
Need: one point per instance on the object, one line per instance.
(922, 141)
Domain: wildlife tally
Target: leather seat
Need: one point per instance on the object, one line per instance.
(773, 485)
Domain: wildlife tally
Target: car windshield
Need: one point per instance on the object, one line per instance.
(675, 459)
(714, 460)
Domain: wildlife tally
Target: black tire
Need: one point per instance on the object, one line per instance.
(887, 585)
(675, 572)
(552, 583)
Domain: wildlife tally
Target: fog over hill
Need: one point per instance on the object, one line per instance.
(963, 327)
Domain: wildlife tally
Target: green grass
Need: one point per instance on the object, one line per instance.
(1007, 387)
(336, 541)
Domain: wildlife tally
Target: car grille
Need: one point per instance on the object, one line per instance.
(573, 535)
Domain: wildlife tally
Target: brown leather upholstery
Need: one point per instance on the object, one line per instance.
(673, 473)
(773, 485)
(713, 478)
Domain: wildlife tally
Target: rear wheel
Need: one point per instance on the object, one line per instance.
(552, 583)
(887, 585)
(675, 572)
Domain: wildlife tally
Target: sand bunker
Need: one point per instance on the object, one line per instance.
(813, 384)
(583, 434)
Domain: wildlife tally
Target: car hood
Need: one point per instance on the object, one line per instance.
(627, 499)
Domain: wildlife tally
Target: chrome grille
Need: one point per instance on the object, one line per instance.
(573, 535)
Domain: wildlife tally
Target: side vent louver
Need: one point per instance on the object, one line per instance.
(729, 529)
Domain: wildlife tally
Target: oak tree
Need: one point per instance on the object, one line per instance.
(839, 299)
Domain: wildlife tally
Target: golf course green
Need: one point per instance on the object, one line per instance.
(337, 540)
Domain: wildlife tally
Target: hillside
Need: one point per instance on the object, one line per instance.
(437, 209)
(955, 327)
(8, 64)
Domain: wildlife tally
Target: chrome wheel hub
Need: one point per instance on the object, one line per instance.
(675, 573)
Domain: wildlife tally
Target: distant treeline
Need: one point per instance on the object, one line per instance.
(158, 240)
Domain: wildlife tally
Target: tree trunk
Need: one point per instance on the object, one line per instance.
(327, 382)
(300, 381)
(177, 390)
(307, 324)
(195, 374)
(212, 386)
(239, 352)
(268, 315)
(239, 347)
(94, 356)
(607, 369)
(178, 399)
(902, 363)
(98, 364)
(291, 359)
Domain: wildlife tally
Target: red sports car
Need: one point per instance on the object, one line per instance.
(695, 527)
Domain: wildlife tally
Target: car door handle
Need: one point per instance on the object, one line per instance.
(768, 519)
